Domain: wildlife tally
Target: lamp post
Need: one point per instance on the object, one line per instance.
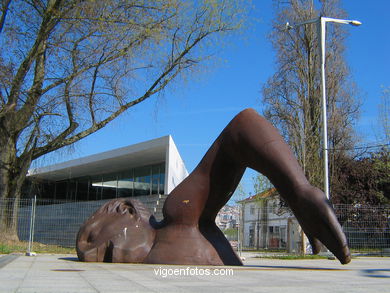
(321, 33)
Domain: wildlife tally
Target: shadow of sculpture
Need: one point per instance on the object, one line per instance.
(376, 273)
(123, 230)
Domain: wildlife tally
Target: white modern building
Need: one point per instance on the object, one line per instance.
(69, 192)
(148, 168)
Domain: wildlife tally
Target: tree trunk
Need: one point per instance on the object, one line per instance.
(13, 172)
(8, 219)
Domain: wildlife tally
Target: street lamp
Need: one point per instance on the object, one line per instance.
(321, 32)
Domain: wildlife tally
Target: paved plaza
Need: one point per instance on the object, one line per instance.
(63, 273)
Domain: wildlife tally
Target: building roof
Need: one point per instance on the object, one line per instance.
(262, 195)
(140, 154)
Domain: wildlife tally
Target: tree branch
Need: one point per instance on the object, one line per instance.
(92, 91)
(160, 83)
(4, 10)
(48, 23)
(35, 91)
(68, 103)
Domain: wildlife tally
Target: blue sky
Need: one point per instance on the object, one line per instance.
(195, 112)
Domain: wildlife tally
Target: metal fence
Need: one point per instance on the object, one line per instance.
(53, 222)
(48, 222)
(367, 229)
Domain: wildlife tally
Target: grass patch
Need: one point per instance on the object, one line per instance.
(21, 247)
(12, 246)
(4, 249)
(292, 256)
(365, 250)
(271, 250)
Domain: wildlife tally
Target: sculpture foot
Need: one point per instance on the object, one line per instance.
(317, 219)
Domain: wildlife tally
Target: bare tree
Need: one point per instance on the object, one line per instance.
(69, 67)
(292, 95)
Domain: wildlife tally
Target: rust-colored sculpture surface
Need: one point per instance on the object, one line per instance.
(122, 230)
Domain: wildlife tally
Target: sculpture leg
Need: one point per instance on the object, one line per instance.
(252, 141)
(248, 141)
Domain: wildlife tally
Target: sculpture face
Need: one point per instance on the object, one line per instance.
(118, 232)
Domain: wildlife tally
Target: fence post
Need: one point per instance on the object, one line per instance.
(32, 224)
(239, 227)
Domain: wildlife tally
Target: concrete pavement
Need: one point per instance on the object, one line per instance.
(63, 273)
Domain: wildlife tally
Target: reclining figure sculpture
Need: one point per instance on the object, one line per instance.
(122, 230)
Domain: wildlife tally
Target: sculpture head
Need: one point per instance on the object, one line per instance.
(119, 231)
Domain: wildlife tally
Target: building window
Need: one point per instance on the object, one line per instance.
(141, 181)
(157, 183)
(273, 229)
(252, 209)
(109, 186)
(83, 189)
(126, 184)
(96, 188)
(61, 190)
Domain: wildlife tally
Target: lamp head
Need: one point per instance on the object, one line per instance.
(355, 22)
